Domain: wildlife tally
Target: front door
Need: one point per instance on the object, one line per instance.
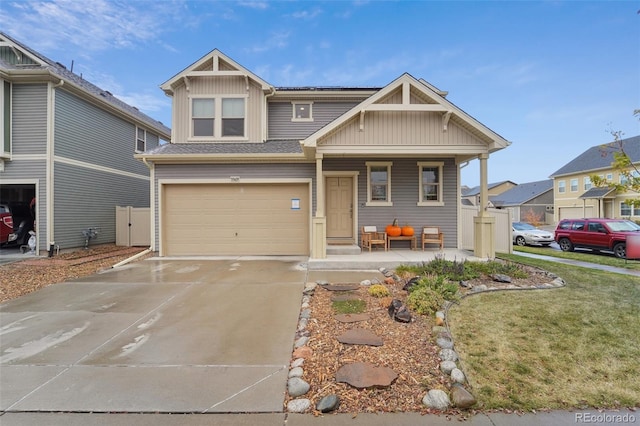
(339, 208)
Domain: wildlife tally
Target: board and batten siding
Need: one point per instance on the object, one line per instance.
(263, 171)
(216, 87)
(87, 198)
(404, 195)
(29, 119)
(86, 133)
(281, 125)
(409, 128)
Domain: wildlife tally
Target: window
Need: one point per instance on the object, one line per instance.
(609, 177)
(430, 183)
(624, 180)
(574, 185)
(379, 184)
(562, 186)
(5, 117)
(587, 183)
(141, 140)
(629, 210)
(232, 117)
(302, 111)
(578, 225)
(203, 113)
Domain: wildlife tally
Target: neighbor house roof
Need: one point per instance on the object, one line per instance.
(596, 192)
(522, 193)
(600, 157)
(37, 64)
(476, 189)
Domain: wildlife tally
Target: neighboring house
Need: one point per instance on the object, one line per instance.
(528, 200)
(576, 197)
(70, 145)
(257, 170)
(471, 196)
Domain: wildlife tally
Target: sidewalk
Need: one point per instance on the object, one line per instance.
(581, 264)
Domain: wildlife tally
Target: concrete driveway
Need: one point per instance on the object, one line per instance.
(181, 336)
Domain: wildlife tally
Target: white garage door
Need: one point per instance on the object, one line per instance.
(575, 212)
(235, 219)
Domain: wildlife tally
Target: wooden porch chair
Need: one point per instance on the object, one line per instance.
(371, 237)
(432, 235)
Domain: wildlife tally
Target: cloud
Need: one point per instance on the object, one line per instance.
(277, 40)
(260, 5)
(306, 14)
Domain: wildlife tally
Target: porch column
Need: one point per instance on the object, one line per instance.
(319, 222)
(484, 224)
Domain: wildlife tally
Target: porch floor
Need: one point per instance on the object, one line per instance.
(386, 259)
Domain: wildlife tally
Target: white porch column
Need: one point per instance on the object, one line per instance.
(319, 222)
(484, 224)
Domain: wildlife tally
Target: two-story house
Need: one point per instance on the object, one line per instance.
(254, 169)
(68, 146)
(574, 194)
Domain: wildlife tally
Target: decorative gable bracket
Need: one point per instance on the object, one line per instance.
(409, 107)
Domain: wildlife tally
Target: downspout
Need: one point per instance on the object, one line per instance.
(49, 166)
(152, 203)
(264, 114)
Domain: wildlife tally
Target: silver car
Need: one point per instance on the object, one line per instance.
(525, 233)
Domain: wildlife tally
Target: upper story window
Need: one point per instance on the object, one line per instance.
(562, 186)
(5, 118)
(587, 183)
(203, 113)
(379, 183)
(231, 112)
(574, 185)
(624, 180)
(430, 183)
(302, 111)
(141, 140)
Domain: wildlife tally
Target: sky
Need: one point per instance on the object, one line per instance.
(552, 77)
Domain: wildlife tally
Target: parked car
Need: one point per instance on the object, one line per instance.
(525, 233)
(596, 234)
(6, 225)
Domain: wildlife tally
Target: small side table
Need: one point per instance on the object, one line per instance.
(412, 239)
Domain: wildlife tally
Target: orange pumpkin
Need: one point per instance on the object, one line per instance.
(407, 231)
(394, 231)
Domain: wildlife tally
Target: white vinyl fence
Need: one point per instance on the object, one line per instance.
(503, 236)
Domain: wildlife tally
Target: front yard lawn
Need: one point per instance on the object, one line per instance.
(577, 346)
(583, 256)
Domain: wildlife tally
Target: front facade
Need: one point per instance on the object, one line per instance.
(68, 146)
(576, 197)
(257, 170)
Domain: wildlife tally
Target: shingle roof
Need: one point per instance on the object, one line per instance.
(268, 147)
(600, 157)
(476, 189)
(61, 71)
(596, 192)
(522, 193)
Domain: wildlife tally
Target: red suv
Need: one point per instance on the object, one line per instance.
(596, 234)
(6, 225)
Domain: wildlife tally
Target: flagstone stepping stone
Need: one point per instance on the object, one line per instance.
(365, 375)
(342, 287)
(360, 336)
(344, 297)
(348, 318)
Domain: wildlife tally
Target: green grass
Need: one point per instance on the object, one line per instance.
(572, 347)
(349, 306)
(583, 256)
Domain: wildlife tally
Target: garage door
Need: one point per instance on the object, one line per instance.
(575, 212)
(235, 219)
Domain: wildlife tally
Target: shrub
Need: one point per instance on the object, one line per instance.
(429, 294)
(378, 290)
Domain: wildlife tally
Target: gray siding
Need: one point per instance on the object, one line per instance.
(281, 126)
(84, 132)
(29, 119)
(87, 198)
(223, 171)
(404, 195)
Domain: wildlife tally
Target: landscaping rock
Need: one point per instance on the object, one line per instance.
(389, 281)
(457, 376)
(296, 372)
(303, 352)
(440, 314)
(349, 318)
(309, 288)
(298, 405)
(436, 399)
(328, 403)
(342, 287)
(322, 283)
(298, 362)
(444, 343)
(364, 375)
(438, 329)
(447, 366)
(448, 355)
(365, 283)
(302, 324)
(297, 387)
(501, 278)
(398, 311)
(360, 336)
(306, 313)
(461, 397)
(411, 283)
(301, 342)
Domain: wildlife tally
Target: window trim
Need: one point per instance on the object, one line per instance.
(388, 165)
(217, 118)
(430, 164)
(244, 118)
(562, 186)
(571, 186)
(587, 184)
(293, 111)
(191, 126)
(144, 141)
(6, 105)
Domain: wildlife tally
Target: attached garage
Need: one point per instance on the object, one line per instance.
(575, 212)
(205, 219)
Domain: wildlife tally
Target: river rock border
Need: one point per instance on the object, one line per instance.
(436, 399)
